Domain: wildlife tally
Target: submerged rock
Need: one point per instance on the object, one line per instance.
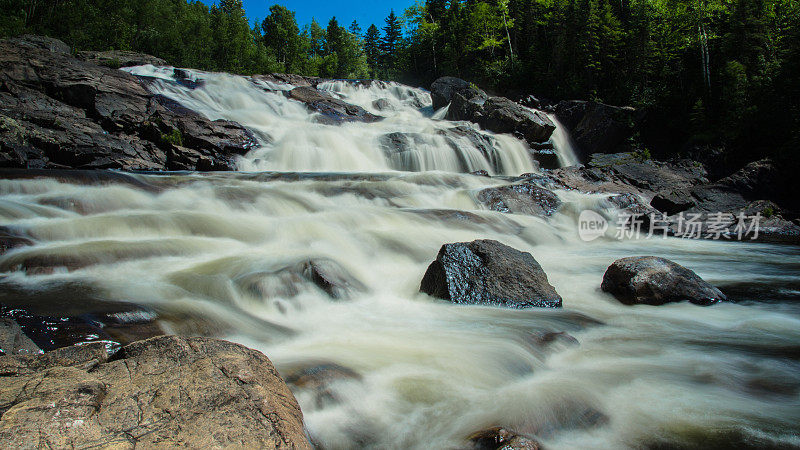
(162, 392)
(318, 379)
(522, 198)
(500, 438)
(649, 280)
(486, 272)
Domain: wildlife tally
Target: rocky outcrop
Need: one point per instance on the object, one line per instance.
(597, 127)
(520, 198)
(116, 59)
(649, 280)
(486, 272)
(162, 392)
(497, 114)
(332, 110)
(57, 111)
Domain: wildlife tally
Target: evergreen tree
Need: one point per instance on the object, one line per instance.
(282, 37)
(390, 43)
(372, 49)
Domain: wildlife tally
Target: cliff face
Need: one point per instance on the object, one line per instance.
(58, 111)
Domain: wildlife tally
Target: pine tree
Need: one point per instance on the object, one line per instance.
(372, 49)
(391, 41)
(282, 37)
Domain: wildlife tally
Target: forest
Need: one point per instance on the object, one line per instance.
(719, 79)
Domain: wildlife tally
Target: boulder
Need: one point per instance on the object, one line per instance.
(58, 112)
(381, 104)
(162, 392)
(501, 115)
(649, 280)
(486, 272)
(521, 198)
(597, 127)
(497, 114)
(444, 88)
(333, 111)
(500, 438)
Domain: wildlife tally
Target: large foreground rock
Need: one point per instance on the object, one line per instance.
(486, 272)
(164, 392)
(57, 112)
(497, 114)
(649, 280)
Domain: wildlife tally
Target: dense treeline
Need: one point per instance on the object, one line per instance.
(715, 75)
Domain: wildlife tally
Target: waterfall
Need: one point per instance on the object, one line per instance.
(562, 142)
(292, 140)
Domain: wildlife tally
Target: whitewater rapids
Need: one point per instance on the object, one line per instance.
(206, 251)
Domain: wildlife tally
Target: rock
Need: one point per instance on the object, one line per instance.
(499, 438)
(13, 340)
(673, 201)
(116, 59)
(333, 111)
(480, 173)
(649, 280)
(162, 392)
(382, 104)
(547, 158)
(318, 378)
(597, 127)
(486, 272)
(486, 144)
(50, 44)
(501, 115)
(400, 149)
(9, 240)
(286, 282)
(497, 114)
(444, 88)
(290, 78)
(112, 324)
(521, 198)
(58, 112)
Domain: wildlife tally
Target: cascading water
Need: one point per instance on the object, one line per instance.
(216, 254)
(562, 142)
(292, 140)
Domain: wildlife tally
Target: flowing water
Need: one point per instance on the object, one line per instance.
(217, 254)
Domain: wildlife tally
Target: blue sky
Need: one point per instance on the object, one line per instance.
(366, 12)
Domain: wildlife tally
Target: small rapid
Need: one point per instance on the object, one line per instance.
(224, 254)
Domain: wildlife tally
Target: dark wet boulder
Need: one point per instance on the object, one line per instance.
(649, 280)
(116, 59)
(444, 88)
(520, 198)
(333, 111)
(501, 115)
(500, 438)
(546, 157)
(597, 127)
(162, 392)
(486, 272)
(50, 44)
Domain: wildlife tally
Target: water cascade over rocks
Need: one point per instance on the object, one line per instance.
(313, 253)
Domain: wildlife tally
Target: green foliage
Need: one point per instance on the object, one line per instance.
(174, 137)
